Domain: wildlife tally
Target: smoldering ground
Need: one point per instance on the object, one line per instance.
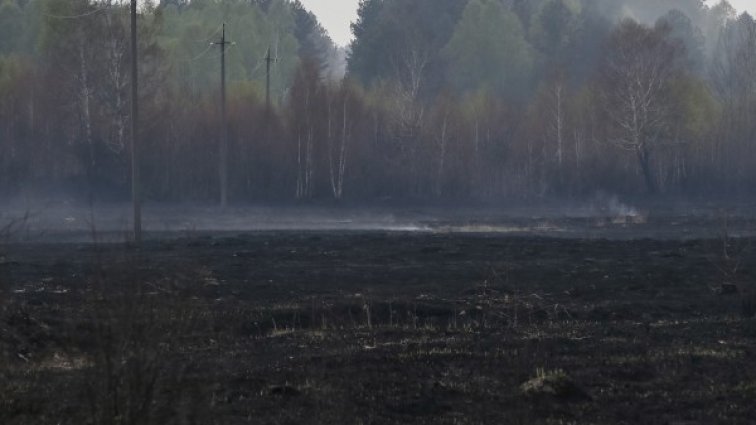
(602, 216)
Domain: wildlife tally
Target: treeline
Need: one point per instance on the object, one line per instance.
(476, 100)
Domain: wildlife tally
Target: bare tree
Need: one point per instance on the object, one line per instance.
(558, 119)
(338, 141)
(441, 135)
(410, 69)
(85, 90)
(115, 48)
(733, 68)
(305, 104)
(406, 113)
(642, 62)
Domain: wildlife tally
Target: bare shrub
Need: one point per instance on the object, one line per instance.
(137, 374)
(729, 260)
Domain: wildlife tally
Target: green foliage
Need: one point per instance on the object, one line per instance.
(388, 32)
(489, 50)
(554, 26)
(188, 32)
(447, 98)
(313, 39)
(363, 62)
(11, 26)
(697, 112)
(11, 70)
(20, 22)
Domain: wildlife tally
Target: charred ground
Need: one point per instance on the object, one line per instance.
(378, 327)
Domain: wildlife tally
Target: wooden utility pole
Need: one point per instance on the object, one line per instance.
(268, 61)
(136, 197)
(223, 160)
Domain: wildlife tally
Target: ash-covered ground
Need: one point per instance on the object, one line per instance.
(589, 315)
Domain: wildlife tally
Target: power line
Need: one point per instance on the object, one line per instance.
(83, 15)
(204, 52)
(259, 61)
(268, 60)
(211, 36)
(210, 44)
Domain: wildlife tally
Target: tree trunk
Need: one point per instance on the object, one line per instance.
(85, 99)
(342, 154)
(644, 159)
(442, 141)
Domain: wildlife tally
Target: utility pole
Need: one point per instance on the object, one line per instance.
(223, 161)
(268, 61)
(136, 198)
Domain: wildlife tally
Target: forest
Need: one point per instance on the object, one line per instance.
(433, 101)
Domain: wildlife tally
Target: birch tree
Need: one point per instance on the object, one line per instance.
(342, 109)
(641, 65)
(305, 103)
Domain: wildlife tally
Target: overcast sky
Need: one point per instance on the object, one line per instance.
(740, 5)
(336, 15)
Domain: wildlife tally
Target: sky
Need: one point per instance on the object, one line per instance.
(741, 5)
(336, 15)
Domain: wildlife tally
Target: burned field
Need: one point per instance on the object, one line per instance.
(379, 327)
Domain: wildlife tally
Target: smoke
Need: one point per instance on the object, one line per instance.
(336, 63)
(619, 209)
(605, 205)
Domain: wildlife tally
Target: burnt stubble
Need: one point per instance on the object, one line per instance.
(375, 327)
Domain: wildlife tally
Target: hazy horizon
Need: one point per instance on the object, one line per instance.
(336, 16)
